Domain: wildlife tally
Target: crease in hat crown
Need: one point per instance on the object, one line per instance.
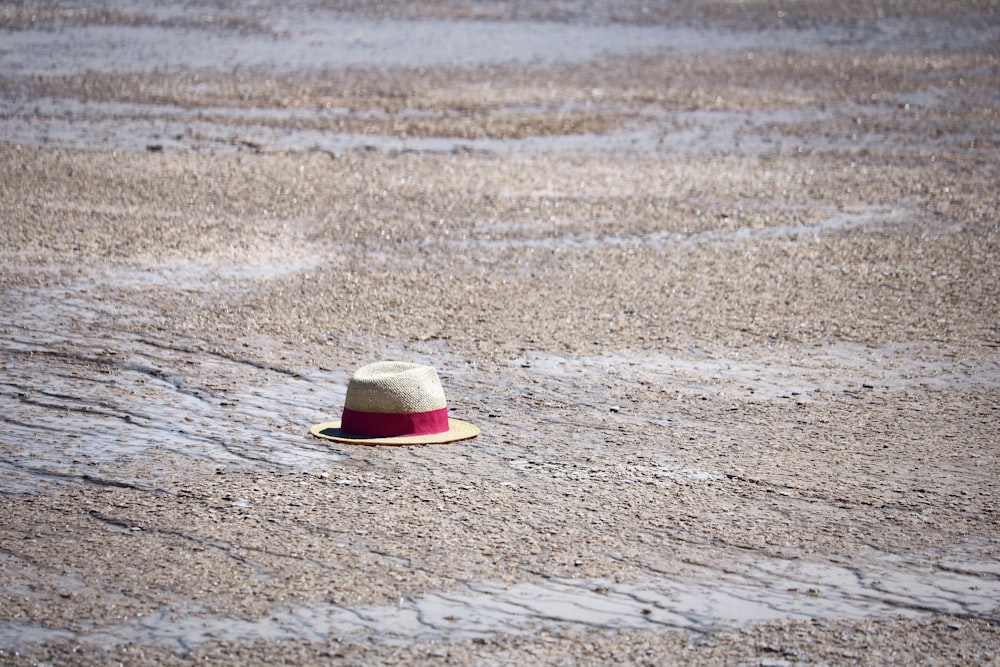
(395, 387)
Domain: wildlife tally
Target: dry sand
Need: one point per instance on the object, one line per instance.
(728, 320)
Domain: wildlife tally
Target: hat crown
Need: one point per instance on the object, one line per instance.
(395, 387)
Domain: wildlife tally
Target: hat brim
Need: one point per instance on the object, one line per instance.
(457, 430)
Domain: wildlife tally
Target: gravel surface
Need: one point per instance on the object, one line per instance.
(722, 297)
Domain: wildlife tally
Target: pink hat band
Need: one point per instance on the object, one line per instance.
(388, 425)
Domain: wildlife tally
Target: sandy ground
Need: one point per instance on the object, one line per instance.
(728, 320)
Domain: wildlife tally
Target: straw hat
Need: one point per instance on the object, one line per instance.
(395, 403)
